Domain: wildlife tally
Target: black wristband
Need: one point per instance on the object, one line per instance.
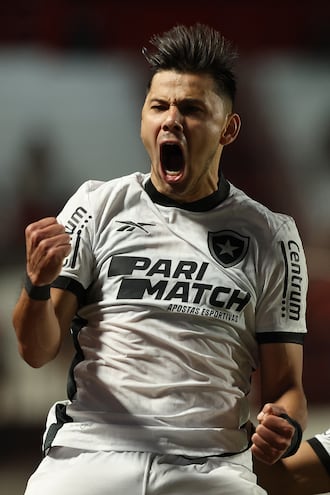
(297, 436)
(37, 292)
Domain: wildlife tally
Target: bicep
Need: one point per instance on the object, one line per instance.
(65, 306)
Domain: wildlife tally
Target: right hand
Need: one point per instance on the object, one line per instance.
(47, 245)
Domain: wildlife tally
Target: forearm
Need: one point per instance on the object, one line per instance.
(281, 379)
(37, 330)
(282, 394)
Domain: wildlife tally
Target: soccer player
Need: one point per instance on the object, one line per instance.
(307, 472)
(176, 286)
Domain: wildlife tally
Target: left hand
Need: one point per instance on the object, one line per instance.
(273, 434)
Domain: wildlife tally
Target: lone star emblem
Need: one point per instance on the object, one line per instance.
(228, 247)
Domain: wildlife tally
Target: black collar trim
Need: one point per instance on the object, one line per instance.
(204, 204)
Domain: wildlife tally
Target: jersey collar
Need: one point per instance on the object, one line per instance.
(203, 204)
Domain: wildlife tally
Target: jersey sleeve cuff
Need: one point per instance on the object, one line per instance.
(66, 283)
(280, 337)
(321, 452)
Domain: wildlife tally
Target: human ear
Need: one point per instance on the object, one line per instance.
(231, 129)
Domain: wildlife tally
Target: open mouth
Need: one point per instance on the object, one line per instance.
(172, 160)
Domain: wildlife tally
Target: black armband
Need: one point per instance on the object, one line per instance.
(36, 292)
(297, 436)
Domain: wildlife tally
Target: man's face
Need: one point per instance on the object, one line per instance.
(183, 125)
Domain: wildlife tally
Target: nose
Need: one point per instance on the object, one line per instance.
(173, 120)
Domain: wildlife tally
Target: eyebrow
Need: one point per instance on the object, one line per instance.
(195, 101)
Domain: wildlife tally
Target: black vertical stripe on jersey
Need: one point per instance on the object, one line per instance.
(76, 249)
(77, 325)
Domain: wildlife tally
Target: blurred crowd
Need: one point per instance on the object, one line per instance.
(73, 113)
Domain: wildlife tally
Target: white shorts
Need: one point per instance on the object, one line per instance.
(76, 472)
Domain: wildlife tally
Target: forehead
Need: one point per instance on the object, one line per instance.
(171, 84)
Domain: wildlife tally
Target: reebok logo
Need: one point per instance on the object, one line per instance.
(130, 226)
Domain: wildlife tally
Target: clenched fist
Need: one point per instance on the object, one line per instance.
(47, 245)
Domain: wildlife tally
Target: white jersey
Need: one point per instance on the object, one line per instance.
(173, 303)
(321, 445)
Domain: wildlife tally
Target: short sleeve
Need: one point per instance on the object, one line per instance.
(320, 443)
(281, 310)
(78, 218)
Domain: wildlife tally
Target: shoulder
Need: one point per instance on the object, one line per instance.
(93, 197)
(97, 192)
(96, 187)
(260, 212)
(258, 217)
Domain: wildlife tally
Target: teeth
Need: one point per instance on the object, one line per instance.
(171, 172)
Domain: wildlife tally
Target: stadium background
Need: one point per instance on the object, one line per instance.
(72, 81)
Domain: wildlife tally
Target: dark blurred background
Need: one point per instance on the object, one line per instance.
(72, 82)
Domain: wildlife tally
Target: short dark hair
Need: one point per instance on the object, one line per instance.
(195, 49)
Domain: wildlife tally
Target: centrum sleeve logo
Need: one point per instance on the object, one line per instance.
(75, 226)
(228, 247)
(293, 280)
